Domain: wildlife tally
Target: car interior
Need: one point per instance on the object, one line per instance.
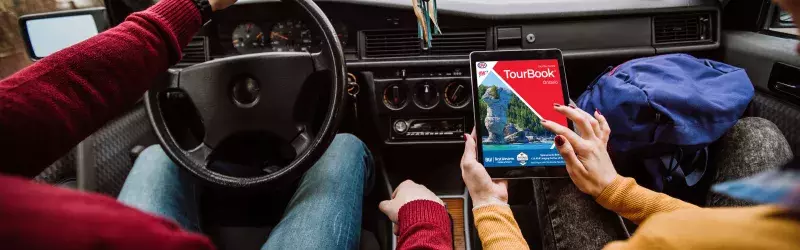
(369, 76)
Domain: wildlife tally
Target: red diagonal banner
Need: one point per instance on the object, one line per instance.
(537, 82)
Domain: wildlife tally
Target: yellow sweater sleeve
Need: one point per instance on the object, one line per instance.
(497, 228)
(636, 203)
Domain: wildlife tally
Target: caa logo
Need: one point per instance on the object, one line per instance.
(482, 65)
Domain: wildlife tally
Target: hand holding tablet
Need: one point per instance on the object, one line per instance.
(513, 91)
(482, 189)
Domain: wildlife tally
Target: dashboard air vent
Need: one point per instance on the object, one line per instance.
(458, 42)
(406, 43)
(682, 28)
(194, 53)
(391, 43)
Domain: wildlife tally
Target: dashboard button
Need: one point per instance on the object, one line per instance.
(395, 96)
(426, 96)
(457, 94)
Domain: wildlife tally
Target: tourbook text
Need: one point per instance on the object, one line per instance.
(530, 73)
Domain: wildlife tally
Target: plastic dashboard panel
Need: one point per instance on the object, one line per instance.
(582, 29)
(593, 34)
(532, 9)
(606, 32)
(585, 35)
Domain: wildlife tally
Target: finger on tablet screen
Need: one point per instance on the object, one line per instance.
(568, 153)
(579, 118)
(561, 130)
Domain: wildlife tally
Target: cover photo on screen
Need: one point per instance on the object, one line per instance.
(514, 96)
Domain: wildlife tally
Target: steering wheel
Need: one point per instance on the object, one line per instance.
(258, 93)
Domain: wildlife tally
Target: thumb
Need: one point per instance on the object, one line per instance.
(469, 148)
(387, 207)
(501, 183)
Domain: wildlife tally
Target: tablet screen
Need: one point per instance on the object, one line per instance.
(514, 96)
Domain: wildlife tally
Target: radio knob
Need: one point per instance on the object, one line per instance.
(400, 126)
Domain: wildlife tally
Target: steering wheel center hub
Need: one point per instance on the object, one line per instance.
(245, 92)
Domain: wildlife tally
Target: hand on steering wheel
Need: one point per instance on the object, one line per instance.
(220, 4)
(588, 163)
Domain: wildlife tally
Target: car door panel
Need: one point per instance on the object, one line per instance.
(105, 155)
(759, 54)
(784, 114)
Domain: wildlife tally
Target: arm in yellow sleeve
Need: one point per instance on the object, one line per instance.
(497, 228)
(637, 242)
(636, 203)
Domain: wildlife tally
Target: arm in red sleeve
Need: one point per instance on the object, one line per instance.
(424, 224)
(38, 216)
(50, 106)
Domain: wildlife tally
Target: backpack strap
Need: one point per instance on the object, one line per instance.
(700, 162)
(674, 171)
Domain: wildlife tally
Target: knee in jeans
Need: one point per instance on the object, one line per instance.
(351, 152)
(154, 150)
(348, 141)
(152, 159)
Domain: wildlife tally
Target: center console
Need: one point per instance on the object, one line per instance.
(422, 106)
(420, 116)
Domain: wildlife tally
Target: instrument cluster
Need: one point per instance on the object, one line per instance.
(289, 35)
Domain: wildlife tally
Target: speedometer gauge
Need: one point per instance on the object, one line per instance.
(291, 35)
(248, 38)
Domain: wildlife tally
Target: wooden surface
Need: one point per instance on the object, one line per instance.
(455, 206)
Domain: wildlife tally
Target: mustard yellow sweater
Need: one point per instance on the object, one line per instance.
(665, 223)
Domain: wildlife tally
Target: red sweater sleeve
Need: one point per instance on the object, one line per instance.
(50, 106)
(37, 216)
(424, 224)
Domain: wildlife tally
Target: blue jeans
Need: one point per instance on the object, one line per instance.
(324, 213)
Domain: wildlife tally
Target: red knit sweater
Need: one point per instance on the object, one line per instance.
(424, 224)
(49, 107)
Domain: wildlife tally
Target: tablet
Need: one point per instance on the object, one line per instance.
(512, 92)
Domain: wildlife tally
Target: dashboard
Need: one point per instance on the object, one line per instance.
(266, 26)
(415, 95)
(269, 27)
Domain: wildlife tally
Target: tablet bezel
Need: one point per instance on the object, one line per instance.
(556, 171)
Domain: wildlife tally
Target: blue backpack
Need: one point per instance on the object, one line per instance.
(664, 111)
